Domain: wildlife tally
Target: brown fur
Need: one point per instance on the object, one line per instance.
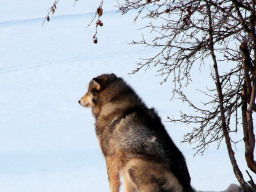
(133, 140)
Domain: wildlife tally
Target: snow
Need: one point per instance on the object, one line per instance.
(47, 140)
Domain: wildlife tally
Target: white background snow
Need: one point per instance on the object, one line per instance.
(47, 140)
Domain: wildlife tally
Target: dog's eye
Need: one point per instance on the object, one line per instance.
(93, 91)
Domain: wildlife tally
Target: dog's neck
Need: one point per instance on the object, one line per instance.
(114, 120)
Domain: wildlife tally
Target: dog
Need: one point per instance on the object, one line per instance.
(133, 140)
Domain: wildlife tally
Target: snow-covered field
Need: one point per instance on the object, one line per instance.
(47, 140)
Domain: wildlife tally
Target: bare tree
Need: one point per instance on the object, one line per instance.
(193, 31)
(189, 33)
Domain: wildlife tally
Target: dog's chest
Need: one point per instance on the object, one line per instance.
(108, 140)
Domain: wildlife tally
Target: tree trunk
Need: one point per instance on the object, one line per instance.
(231, 153)
(248, 105)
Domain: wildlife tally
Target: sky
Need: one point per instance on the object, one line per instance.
(19, 10)
(47, 140)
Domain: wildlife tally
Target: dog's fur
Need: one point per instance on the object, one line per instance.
(133, 140)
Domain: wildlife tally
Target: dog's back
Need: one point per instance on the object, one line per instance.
(134, 141)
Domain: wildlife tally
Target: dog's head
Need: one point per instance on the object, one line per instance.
(96, 86)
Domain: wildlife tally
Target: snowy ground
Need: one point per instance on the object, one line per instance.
(47, 141)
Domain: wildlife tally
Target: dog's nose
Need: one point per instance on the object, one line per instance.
(79, 102)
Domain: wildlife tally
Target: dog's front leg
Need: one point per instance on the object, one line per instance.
(113, 173)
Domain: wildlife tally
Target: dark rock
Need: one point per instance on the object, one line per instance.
(234, 188)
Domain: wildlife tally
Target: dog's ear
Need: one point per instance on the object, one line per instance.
(113, 75)
(96, 84)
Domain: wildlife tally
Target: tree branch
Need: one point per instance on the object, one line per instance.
(224, 127)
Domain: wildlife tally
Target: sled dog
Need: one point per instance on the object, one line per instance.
(133, 140)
